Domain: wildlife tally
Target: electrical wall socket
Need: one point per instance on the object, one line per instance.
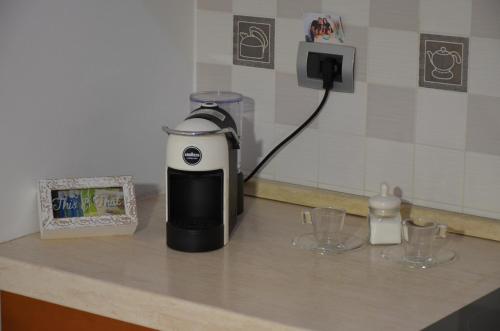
(309, 56)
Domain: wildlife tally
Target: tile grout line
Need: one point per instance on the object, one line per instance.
(365, 156)
(318, 136)
(416, 101)
(467, 113)
(463, 182)
(365, 152)
(195, 46)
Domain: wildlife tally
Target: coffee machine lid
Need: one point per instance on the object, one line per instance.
(219, 97)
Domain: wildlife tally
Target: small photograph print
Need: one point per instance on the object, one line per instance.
(88, 202)
(323, 28)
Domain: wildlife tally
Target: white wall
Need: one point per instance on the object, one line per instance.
(440, 149)
(85, 86)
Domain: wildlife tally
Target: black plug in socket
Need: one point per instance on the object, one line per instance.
(310, 72)
(315, 65)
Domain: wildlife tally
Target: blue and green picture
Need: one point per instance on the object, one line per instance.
(88, 202)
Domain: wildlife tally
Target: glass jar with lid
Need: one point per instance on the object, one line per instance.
(384, 217)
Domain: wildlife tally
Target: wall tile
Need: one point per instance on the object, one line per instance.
(341, 160)
(288, 34)
(484, 66)
(445, 16)
(216, 5)
(483, 124)
(440, 118)
(436, 71)
(341, 189)
(485, 18)
(391, 162)
(394, 14)
(294, 104)
(482, 182)
(259, 85)
(345, 112)
(391, 112)
(297, 8)
(213, 77)
(483, 213)
(352, 12)
(298, 161)
(262, 8)
(369, 136)
(358, 37)
(257, 141)
(439, 174)
(214, 37)
(393, 57)
(437, 205)
(251, 30)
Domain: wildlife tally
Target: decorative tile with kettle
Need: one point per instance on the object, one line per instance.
(253, 41)
(443, 62)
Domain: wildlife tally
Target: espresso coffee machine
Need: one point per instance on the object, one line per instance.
(203, 183)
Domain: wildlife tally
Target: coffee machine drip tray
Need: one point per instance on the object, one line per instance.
(195, 218)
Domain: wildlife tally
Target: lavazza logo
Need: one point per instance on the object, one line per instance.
(191, 155)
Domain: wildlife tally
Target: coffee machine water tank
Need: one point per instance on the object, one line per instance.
(203, 183)
(231, 102)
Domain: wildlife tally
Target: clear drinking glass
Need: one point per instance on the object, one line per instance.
(327, 226)
(418, 242)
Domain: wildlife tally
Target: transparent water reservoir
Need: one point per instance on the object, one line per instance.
(231, 102)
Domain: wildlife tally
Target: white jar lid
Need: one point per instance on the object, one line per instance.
(384, 200)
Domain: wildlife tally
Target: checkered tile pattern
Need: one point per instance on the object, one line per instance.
(441, 148)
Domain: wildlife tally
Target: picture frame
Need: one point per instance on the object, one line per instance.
(85, 207)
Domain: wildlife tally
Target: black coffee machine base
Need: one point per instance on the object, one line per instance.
(199, 240)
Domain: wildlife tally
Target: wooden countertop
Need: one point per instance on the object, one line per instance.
(258, 281)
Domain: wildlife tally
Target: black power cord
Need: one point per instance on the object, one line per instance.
(329, 69)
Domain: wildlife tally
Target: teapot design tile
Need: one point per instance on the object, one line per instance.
(443, 62)
(253, 41)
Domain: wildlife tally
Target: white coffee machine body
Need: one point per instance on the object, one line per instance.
(202, 182)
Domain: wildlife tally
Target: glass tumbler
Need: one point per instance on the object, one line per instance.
(418, 242)
(327, 226)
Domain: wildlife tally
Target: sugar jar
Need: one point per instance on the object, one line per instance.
(384, 217)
